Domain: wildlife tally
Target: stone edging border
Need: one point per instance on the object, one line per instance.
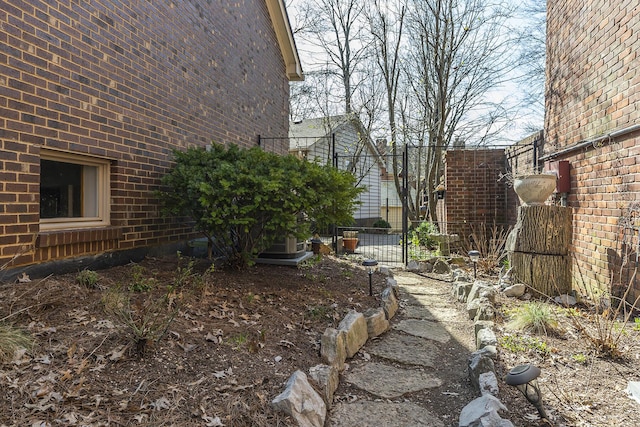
(308, 404)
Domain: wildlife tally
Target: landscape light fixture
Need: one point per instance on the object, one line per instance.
(370, 264)
(524, 378)
(315, 245)
(475, 257)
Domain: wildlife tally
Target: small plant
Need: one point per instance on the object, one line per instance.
(185, 276)
(88, 278)
(311, 261)
(12, 339)
(251, 298)
(579, 358)
(347, 274)
(145, 320)
(318, 312)
(524, 344)
(636, 324)
(140, 282)
(490, 241)
(534, 317)
(239, 340)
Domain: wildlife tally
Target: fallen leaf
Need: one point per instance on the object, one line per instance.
(117, 353)
(215, 336)
(200, 381)
(188, 347)
(70, 419)
(212, 421)
(140, 417)
(161, 403)
(20, 357)
(219, 374)
(41, 406)
(104, 324)
(44, 359)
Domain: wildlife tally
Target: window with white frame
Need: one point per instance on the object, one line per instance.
(74, 190)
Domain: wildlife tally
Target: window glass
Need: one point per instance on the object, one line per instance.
(73, 190)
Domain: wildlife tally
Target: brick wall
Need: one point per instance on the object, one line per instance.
(592, 72)
(593, 95)
(128, 82)
(475, 195)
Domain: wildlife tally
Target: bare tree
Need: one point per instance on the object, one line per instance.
(532, 57)
(386, 21)
(429, 65)
(336, 28)
(458, 53)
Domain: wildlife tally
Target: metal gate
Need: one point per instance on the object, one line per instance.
(380, 225)
(380, 228)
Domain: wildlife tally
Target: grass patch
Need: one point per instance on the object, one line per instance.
(534, 317)
(12, 339)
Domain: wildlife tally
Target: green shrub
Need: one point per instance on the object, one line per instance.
(422, 235)
(381, 223)
(243, 200)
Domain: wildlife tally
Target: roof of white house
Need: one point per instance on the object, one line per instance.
(305, 133)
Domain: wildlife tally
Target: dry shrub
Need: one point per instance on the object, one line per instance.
(490, 241)
(612, 306)
(144, 320)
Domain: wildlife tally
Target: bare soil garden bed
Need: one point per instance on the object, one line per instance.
(234, 339)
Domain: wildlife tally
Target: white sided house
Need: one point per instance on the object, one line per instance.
(314, 140)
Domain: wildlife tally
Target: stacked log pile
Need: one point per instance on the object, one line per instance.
(538, 249)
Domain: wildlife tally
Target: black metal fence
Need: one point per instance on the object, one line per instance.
(390, 220)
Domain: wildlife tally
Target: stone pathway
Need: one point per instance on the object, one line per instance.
(414, 374)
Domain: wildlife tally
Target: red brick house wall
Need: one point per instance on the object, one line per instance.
(126, 82)
(592, 118)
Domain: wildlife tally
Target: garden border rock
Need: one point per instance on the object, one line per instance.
(355, 329)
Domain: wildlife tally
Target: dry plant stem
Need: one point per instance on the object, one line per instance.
(606, 339)
(25, 293)
(490, 243)
(99, 345)
(18, 312)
